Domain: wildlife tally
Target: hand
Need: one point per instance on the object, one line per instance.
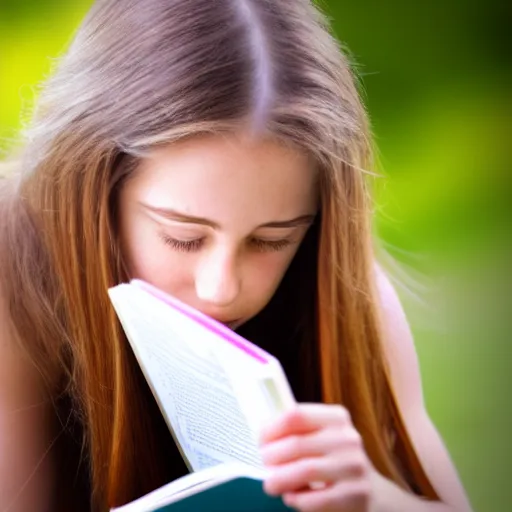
(317, 461)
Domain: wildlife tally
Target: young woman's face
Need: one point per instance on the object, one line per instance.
(215, 221)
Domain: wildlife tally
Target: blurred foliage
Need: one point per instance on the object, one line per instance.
(436, 80)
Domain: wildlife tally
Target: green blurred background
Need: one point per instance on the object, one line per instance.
(436, 80)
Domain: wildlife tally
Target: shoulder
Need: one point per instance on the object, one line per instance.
(395, 324)
(19, 377)
(25, 425)
(405, 379)
(398, 343)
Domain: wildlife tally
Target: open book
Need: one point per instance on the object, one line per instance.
(215, 390)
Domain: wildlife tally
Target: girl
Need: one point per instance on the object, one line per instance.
(217, 149)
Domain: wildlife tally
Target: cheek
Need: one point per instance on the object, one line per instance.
(150, 259)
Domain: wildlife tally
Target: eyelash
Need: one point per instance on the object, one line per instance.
(194, 245)
(183, 245)
(270, 245)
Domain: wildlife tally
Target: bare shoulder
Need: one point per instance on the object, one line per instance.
(393, 313)
(390, 302)
(399, 344)
(406, 381)
(25, 426)
(15, 365)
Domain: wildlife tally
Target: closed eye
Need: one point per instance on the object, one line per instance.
(195, 245)
(270, 245)
(182, 245)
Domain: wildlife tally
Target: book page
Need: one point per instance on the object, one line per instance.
(195, 392)
(206, 408)
(262, 389)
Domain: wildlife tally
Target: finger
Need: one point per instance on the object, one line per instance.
(349, 495)
(303, 419)
(315, 444)
(301, 474)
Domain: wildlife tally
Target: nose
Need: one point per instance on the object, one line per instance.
(217, 279)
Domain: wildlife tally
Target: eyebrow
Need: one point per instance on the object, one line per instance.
(171, 214)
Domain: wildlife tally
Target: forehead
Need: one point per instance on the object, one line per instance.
(224, 176)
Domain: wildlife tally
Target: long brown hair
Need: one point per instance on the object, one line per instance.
(142, 74)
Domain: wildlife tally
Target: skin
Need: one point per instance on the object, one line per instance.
(318, 443)
(27, 430)
(222, 247)
(229, 264)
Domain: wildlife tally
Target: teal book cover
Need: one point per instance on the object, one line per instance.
(238, 495)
